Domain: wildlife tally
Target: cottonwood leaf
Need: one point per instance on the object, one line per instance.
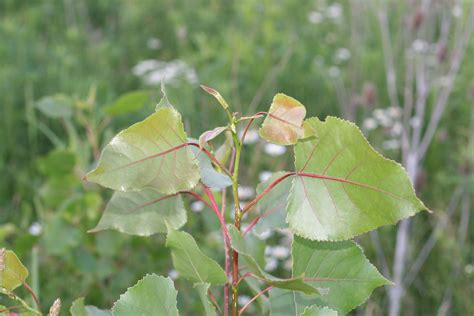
(190, 262)
(79, 309)
(209, 176)
(207, 136)
(203, 289)
(142, 213)
(318, 311)
(251, 250)
(272, 206)
(344, 187)
(152, 296)
(283, 124)
(12, 272)
(339, 270)
(136, 157)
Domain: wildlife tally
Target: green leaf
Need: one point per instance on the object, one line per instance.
(339, 270)
(152, 296)
(318, 311)
(289, 303)
(207, 136)
(272, 206)
(190, 262)
(210, 176)
(142, 213)
(252, 251)
(57, 106)
(203, 289)
(256, 287)
(12, 272)
(128, 103)
(133, 159)
(79, 309)
(283, 124)
(355, 189)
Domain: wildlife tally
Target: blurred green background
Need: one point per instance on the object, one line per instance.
(74, 72)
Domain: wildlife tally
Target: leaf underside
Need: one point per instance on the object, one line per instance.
(202, 289)
(190, 262)
(283, 124)
(357, 190)
(142, 213)
(134, 158)
(79, 309)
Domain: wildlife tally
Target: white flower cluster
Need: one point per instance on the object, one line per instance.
(153, 72)
(390, 120)
(274, 255)
(332, 13)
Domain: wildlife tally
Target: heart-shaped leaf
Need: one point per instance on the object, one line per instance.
(190, 262)
(12, 272)
(142, 213)
(340, 267)
(283, 124)
(152, 296)
(143, 155)
(343, 187)
(251, 249)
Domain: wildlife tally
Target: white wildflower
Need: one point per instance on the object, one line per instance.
(396, 129)
(264, 175)
(154, 43)
(274, 150)
(334, 11)
(315, 17)
(197, 206)
(343, 54)
(280, 252)
(35, 229)
(469, 269)
(245, 192)
(334, 72)
(394, 111)
(271, 264)
(391, 144)
(264, 235)
(288, 265)
(370, 124)
(457, 11)
(251, 137)
(419, 45)
(243, 299)
(173, 274)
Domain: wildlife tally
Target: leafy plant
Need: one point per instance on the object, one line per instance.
(341, 188)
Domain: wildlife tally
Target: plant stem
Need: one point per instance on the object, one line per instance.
(237, 217)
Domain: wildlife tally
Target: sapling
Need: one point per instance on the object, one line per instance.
(340, 188)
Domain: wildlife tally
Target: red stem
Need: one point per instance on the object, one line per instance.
(207, 152)
(311, 175)
(225, 235)
(254, 298)
(257, 115)
(35, 298)
(9, 308)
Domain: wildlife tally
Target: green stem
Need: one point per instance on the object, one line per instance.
(237, 217)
